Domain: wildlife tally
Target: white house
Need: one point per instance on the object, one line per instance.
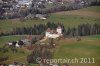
(22, 3)
(59, 30)
(53, 33)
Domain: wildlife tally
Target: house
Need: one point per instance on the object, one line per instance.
(24, 3)
(51, 33)
(69, 1)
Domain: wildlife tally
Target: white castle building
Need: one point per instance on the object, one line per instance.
(53, 33)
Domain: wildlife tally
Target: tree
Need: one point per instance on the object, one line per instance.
(39, 51)
(34, 40)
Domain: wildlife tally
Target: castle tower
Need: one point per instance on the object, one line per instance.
(47, 33)
(59, 30)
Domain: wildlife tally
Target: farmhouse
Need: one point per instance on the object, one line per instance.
(52, 33)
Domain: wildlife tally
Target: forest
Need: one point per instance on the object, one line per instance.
(80, 30)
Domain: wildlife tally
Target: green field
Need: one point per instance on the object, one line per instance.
(12, 38)
(20, 57)
(67, 20)
(88, 47)
(92, 8)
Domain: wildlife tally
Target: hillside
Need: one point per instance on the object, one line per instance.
(93, 11)
(87, 47)
(68, 18)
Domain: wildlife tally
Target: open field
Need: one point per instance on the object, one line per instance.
(19, 56)
(67, 20)
(93, 11)
(88, 47)
(12, 38)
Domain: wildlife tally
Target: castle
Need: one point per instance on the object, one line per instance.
(54, 33)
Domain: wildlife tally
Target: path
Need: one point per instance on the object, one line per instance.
(45, 38)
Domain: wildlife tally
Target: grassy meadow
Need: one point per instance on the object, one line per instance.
(92, 8)
(88, 47)
(66, 20)
(19, 56)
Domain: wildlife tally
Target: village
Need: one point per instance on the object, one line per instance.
(25, 9)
